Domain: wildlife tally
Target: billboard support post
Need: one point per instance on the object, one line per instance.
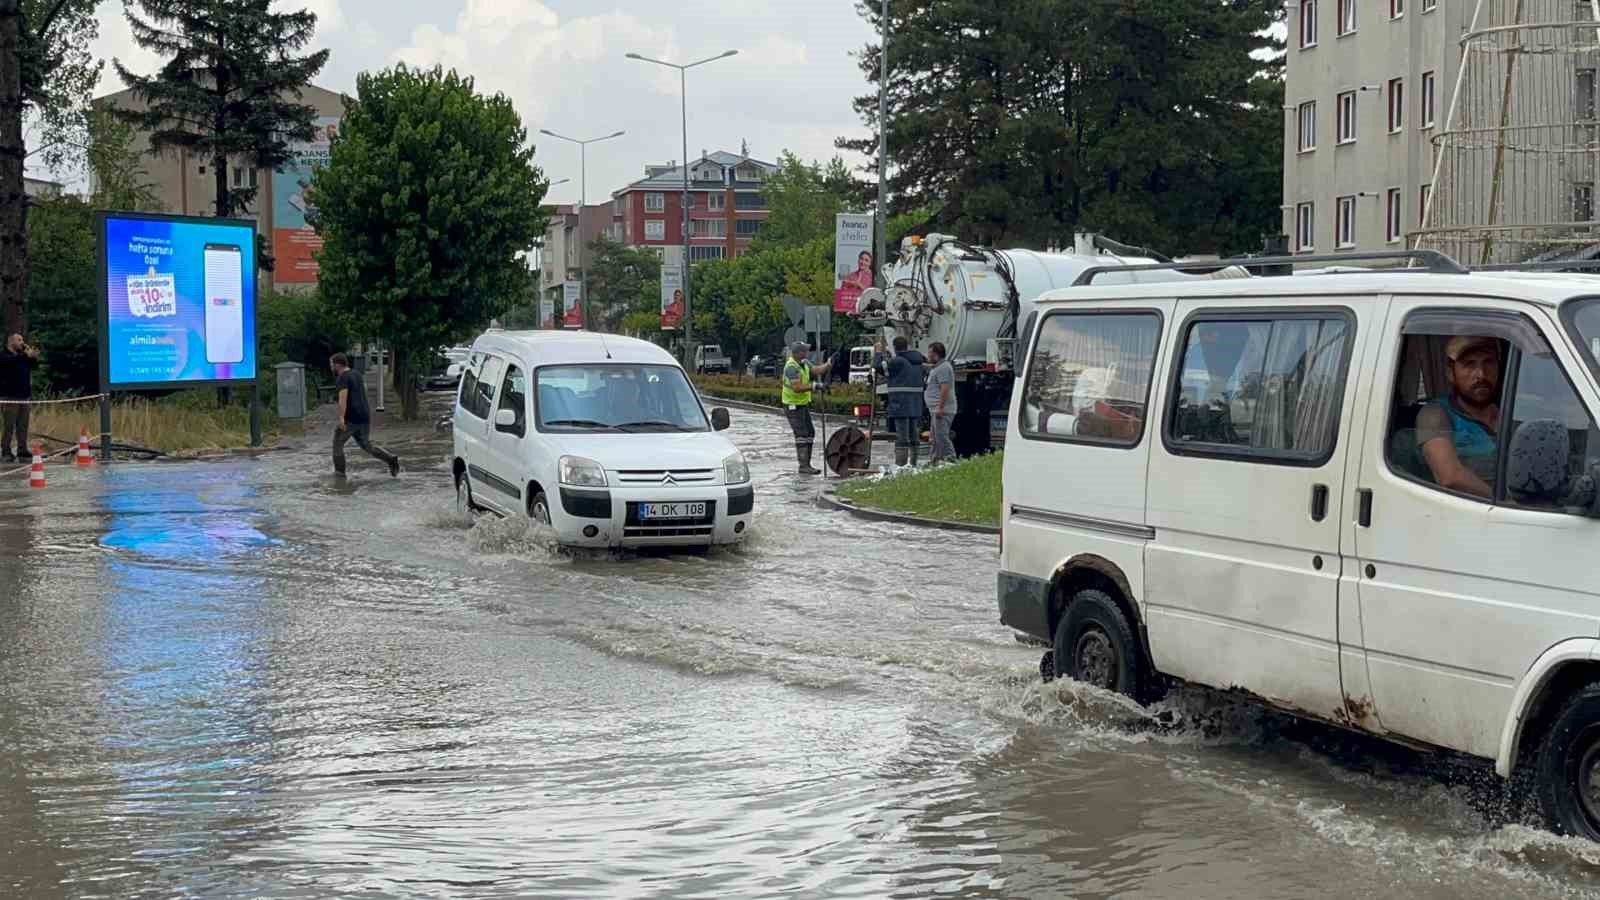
(105, 427)
(255, 416)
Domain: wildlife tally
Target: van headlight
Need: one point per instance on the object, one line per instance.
(580, 472)
(735, 470)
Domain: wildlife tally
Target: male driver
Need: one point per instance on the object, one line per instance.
(940, 396)
(1457, 433)
(797, 388)
(355, 419)
(16, 388)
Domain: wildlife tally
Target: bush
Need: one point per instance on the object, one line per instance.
(296, 327)
(837, 399)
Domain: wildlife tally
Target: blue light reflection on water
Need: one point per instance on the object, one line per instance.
(185, 659)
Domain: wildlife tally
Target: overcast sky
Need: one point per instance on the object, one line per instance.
(561, 62)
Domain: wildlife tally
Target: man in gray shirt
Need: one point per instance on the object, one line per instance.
(940, 396)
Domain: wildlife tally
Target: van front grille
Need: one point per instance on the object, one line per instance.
(666, 476)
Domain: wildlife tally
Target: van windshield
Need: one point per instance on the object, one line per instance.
(617, 398)
(1585, 322)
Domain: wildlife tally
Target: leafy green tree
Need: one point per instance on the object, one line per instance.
(619, 280)
(46, 72)
(1156, 122)
(428, 200)
(803, 198)
(231, 85)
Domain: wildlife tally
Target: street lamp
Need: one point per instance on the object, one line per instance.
(583, 189)
(683, 92)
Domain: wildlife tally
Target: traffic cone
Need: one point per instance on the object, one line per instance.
(85, 456)
(36, 471)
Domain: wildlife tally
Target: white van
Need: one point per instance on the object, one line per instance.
(1365, 498)
(600, 437)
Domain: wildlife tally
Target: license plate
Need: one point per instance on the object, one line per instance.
(672, 510)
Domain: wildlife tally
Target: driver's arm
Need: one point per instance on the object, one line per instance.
(1439, 450)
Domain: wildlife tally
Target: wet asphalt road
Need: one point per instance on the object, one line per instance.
(242, 678)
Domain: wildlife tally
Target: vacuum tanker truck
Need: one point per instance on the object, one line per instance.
(978, 301)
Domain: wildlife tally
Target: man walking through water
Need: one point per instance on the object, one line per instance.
(355, 417)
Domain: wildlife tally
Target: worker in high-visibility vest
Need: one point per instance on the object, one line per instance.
(797, 390)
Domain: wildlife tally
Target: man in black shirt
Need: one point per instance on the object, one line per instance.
(355, 419)
(16, 384)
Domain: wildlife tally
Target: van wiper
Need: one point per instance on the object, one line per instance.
(578, 423)
(649, 423)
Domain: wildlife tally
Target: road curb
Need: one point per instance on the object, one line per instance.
(832, 501)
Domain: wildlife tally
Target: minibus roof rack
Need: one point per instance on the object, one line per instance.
(1549, 265)
(1430, 260)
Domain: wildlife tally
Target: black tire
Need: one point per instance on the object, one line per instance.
(539, 504)
(1096, 644)
(464, 501)
(1567, 769)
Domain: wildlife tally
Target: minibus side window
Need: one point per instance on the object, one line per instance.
(1089, 378)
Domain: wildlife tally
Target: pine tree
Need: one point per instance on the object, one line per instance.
(231, 86)
(1021, 121)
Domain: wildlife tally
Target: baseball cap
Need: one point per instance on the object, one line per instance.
(799, 347)
(1462, 343)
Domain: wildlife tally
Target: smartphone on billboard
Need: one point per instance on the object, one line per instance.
(224, 303)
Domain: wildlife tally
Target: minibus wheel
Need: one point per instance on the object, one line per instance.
(1095, 644)
(1568, 767)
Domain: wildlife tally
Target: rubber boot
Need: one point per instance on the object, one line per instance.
(900, 456)
(803, 457)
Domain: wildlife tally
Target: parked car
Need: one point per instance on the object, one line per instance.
(1262, 486)
(709, 360)
(445, 373)
(602, 438)
(763, 366)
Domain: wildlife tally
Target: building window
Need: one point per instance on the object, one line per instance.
(619, 206)
(1427, 100)
(655, 230)
(751, 174)
(1308, 24)
(1308, 126)
(1583, 202)
(747, 227)
(749, 201)
(701, 254)
(708, 227)
(1347, 17)
(1391, 228)
(1345, 230)
(1428, 5)
(716, 201)
(242, 174)
(1422, 204)
(1583, 101)
(1304, 228)
(1345, 118)
(1397, 8)
(1397, 104)
(655, 202)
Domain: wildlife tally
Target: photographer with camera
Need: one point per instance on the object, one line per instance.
(16, 389)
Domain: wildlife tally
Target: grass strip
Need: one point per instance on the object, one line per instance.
(967, 491)
(186, 422)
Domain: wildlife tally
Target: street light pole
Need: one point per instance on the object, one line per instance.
(583, 193)
(883, 145)
(683, 94)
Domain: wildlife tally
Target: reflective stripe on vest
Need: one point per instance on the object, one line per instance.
(791, 397)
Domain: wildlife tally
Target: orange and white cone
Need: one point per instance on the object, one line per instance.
(85, 456)
(36, 471)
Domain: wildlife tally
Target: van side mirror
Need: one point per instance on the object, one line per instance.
(506, 420)
(719, 419)
(1536, 469)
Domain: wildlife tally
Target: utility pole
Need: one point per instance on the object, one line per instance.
(583, 192)
(880, 258)
(683, 91)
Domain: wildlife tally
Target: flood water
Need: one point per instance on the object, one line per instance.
(241, 678)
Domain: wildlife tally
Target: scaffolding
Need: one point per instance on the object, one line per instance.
(1515, 166)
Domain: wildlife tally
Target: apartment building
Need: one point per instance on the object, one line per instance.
(567, 238)
(726, 205)
(1367, 86)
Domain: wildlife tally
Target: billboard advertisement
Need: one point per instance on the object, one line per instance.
(294, 243)
(547, 312)
(571, 298)
(852, 259)
(672, 299)
(179, 301)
